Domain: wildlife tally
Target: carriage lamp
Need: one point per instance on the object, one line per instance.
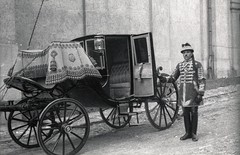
(99, 43)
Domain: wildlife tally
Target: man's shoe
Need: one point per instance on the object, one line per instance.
(194, 137)
(186, 136)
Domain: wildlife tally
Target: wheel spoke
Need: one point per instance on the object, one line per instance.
(25, 115)
(75, 119)
(154, 108)
(159, 94)
(79, 126)
(155, 117)
(171, 93)
(114, 116)
(164, 88)
(52, 136)
(70, 141)
(57, 113)
(23, 133)
(19, 120)
(76, 135)
(119, 121)
(160, 116)
(170, 107)
(65, 110)
(63, 145)
(164, 114)
(20, 127)
(29, 136)
(44, 134)
(71, 114)
(168, 113)
(57, 141)
(111, 113)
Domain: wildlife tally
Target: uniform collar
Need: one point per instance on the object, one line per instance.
(189, 60)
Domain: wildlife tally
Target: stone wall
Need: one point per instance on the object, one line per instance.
(172, 23)
(57, 21)
(8, 46)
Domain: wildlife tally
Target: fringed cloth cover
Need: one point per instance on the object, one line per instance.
(60, 61)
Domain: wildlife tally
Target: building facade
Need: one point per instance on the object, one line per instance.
(212, 27)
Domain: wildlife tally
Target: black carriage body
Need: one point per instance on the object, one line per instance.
(127, 64)
(129, 78)
(127, 67)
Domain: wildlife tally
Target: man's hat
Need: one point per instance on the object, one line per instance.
(186, 47)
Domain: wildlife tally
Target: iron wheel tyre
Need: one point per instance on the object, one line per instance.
(162, 111)
(70, 127)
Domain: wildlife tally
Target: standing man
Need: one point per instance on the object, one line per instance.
(191, 89)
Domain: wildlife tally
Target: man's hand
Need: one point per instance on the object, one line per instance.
(163, 79)
(198, 98)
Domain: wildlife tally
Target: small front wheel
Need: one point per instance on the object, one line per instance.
(22, 125)
(70, 127)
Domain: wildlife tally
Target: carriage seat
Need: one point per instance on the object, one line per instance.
(120, 80)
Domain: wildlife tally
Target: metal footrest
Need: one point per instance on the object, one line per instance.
(124, 112)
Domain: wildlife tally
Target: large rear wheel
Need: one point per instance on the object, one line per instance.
(163, 109)
(70, 127)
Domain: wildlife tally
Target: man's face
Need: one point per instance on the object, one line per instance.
(187, 55)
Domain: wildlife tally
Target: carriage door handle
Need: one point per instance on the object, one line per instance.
(140, 72)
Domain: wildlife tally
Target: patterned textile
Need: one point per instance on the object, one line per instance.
(68, 61)
(31, 63)
(60, 61)
(189, 84)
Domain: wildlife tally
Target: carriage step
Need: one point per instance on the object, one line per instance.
(130, 114)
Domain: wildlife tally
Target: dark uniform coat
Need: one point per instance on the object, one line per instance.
(190, 84)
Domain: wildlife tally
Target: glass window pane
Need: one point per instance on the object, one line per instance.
(141, 50)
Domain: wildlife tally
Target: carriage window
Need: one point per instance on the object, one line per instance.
(118, 49)
(99, 58)
(141, 50)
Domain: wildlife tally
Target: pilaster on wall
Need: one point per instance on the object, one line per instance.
(221, 45)
(235, 37)
(8, 53)
(8, 47)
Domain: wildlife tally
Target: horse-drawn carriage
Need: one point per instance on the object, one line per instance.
(115, 73)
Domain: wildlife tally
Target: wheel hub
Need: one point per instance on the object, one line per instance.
(67, 128)
(32, 123)
(165, 100)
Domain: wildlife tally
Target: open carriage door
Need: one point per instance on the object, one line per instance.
(143, 82)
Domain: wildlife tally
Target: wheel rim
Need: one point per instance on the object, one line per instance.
(70, 127)
(113, 119)
(163, 110)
